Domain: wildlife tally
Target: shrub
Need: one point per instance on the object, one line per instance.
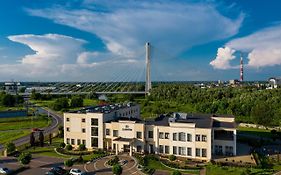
(113, 161)
(82, 147)
(62, 145)
(25, 158)
(117, 169)
(68, 162)
(177, 172)
(10, 147)
(172, 157)
(68, 147)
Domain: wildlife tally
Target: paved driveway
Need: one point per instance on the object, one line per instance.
(100, 168)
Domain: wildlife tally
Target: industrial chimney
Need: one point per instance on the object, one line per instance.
(241, 69)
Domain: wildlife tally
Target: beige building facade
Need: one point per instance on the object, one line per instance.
(119, 128)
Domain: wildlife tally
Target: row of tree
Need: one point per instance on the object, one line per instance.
(8, 100)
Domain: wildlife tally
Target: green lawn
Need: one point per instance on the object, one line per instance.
(218, 170)
(18, 123)
(3, 108)
(157, 165)
(254, 131)
(9, 136)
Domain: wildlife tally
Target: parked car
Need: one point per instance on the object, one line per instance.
(75, 171)
(4, 170)
(58, 170)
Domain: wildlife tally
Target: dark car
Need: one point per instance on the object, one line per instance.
(58, 170)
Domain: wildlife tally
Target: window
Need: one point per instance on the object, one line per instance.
(161, 135)
(175, 136)
(94, 122)
(189, 137)
(115, 133)
(95, 142)
(139, 135)
(204, 138)
(167, 150)
(72, 141)
(83, 130)
(204, 152)
(83, 120)
(138, 148)
(107, 132)
(182, 136)
(161, 149)
(197, 137)
(197, 152)
(78, 141)
(150, 134)
(84, 142)
(175, 150)
(189, 151)
(182, 151)
(67, 129)
(167, 135)
(95, 131)
(67, 141)
(67, 119)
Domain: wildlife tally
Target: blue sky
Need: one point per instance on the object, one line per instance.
(103, 40)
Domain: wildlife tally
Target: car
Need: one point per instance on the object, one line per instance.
(36, 129)
(58, 170)
(4, 170)
(75, 171)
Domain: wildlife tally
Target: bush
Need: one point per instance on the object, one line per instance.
(117, 169)
(82, 147)
(68, 162)
(113, 161)
(62, 145)
(25, 158)
(10, 147)
(177, 172)
(172, 158)
(68, 147)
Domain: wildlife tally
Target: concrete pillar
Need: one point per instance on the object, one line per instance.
(234, 147)
(131, 150)
(116, 150)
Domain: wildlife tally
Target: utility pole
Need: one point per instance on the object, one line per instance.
(241, 69)
(148, 75)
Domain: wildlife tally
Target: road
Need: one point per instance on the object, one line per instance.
(56, 121)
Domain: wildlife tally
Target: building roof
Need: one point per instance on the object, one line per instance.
(218, 124)
(121, 139)
(137, 120)
(105, 108)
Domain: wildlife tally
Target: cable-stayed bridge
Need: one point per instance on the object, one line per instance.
(135, 81)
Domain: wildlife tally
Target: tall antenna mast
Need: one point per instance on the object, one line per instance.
(148, 76)
(241, 68)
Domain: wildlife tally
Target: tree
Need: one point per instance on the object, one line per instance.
(8, 100)
(25, 158)
(62, 145)
(35, 95)
(117, 169)
(61, 132)
(76, 101)
(68, 147)
(60, 103)
(82, 147)
(50, 138)
(172, 157)
(10, 147)
(41, 139)
(176, 172)
(262, 114)
(32, 139)
(68, 162)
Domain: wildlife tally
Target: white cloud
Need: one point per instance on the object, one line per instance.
(124, 27)
(263, 47)
(223, 58)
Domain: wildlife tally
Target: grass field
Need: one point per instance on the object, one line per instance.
(254, 131)
(19, 123)
(218, 170)
(8, 136)
(158, 166)
(3, 108)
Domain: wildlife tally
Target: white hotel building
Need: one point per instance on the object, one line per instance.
(119, 128)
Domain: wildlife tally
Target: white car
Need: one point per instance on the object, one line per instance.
(75, 171)
(4, 170)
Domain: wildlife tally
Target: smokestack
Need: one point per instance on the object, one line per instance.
(241, 69)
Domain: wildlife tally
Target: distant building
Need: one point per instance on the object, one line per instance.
(274, 82)
(11, 87)
(118, 128)
(234, 82)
